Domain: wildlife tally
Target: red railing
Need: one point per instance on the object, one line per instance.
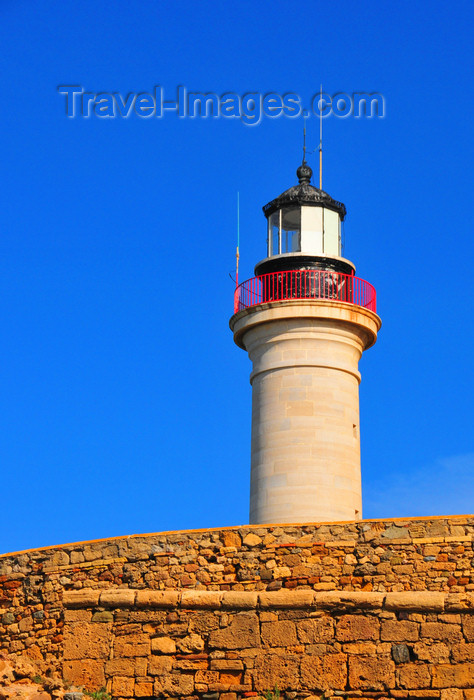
(293, 285)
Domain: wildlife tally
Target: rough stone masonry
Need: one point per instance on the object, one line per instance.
(366, 609)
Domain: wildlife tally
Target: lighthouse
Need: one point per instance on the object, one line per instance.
(305, 319)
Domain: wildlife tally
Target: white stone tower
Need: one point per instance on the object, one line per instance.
(305, 320)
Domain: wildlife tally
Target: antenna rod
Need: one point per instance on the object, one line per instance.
(304, 140)
(237, 255)
(321, 139)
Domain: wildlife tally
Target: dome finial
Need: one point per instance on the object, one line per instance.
(304, 172)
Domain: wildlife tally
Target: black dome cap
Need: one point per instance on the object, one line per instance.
(306, 194)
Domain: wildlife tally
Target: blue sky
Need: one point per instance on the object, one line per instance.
(125, 404)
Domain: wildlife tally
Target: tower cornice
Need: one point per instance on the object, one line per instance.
(365, 320)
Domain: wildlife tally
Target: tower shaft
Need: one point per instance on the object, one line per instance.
(305, 451)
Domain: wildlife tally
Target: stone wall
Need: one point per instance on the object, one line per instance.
(380, 608)
(169, 643)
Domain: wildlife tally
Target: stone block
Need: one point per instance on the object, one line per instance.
(76, 557)
(84, 640)
(299, 408)
(468, 627)
(78, 615)
(396, 532)
(58, 558)
(85, 672)
(437, 652)
(322, 673)
(156, 599)
(462, 652)
(160, 665)
(455, 602)
(456, 531)
(143, 689)
(120, 667)
(252, 540)
(83, 598)
(441, 631)
(135, 644)
(230, 679)
(352, 628)
(365, 648)
(315, 630)
(163, 645)
(207, 677)
(452, 694)
(191, 644)
(342, 600)
(400, 653)
(371, 673)
(141, 665)
(414, 676)
(34, 653)
(270, 670)
(399, 631)
(453, 676)
(203, 622)
(324, 586)
(418, 601)
(279, 634)
(242, 633)
(201, 599)
(239, 599)
(103, 616)
(174, 685)
(123, 687)
(118, 598)
(230, 538)
(26, 624)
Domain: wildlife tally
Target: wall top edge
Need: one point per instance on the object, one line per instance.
(357, 528)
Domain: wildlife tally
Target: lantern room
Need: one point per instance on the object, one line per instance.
(304, 229)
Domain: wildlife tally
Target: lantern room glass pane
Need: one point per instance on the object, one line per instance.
(312, 230)
(273, 233)
(332, 233)
(291, 229)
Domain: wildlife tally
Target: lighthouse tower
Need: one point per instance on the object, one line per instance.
(305, 320)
